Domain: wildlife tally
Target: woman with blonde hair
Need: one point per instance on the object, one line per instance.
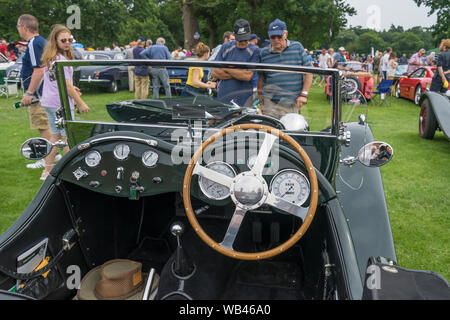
(58, 48)
(194, 82)
(391, 66)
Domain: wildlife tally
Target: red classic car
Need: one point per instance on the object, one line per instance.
(413, 85)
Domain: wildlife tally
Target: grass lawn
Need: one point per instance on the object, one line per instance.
(416, 181)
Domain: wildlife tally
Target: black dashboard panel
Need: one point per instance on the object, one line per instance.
(129, 177)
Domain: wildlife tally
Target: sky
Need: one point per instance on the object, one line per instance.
(380, 14)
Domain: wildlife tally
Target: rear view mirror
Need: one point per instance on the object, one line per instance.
(39, 148)
(36, 148)
(375, 154)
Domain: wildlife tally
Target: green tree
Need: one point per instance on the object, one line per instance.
(369, 40)
(441, 29)
(408, 43)
(344, 38)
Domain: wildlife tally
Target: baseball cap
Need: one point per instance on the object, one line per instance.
(141, 39)
(276, 28)
(341, 49)
(254, 36)
(242, 30)
(323, 50)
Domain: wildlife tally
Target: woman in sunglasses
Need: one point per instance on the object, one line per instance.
(59, 47)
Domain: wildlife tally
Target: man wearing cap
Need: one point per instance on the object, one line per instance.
(254, 39)
(340, 59)
(283, 93)
(236, 84)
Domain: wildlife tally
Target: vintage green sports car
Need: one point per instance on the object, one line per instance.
(211, 198)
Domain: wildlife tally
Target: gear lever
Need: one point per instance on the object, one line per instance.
(183, 265)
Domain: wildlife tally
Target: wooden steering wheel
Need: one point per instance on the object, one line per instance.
(257, 193)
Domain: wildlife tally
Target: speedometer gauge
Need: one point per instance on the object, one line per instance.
(215, 190)
(121, 151)
(150, 158)
(291, 185)
(93, 158)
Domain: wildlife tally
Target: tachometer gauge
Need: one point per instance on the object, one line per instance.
(121, 151)
(215, 190)
(150, 158)
(291, 185)
(93, 158)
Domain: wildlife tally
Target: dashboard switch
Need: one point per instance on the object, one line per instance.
(120, 173)
(94, 184)
(157, 180)
(134, 177)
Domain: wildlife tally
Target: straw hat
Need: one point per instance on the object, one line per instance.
(118, 279)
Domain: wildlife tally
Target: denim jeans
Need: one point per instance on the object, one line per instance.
(160, 76)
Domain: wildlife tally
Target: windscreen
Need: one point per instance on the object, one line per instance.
(144, 94)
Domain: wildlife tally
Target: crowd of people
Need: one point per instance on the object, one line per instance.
(382, 65)
(277, 93)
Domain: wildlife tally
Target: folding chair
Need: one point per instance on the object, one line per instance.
(383, 94)
(10, 85)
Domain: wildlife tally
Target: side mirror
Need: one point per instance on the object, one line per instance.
(39, 148)
(375, 154)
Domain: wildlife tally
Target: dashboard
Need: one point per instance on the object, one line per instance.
(127, 168)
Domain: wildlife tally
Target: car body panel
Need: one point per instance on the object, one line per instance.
(361, 194)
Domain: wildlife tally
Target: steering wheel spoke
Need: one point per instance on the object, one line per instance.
(212, 175)
(287, 206)
(233, 228)
(263, 154)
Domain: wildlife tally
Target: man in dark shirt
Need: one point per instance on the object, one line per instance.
(236, 84)
(141, 73)
(32, 74)
(160, 75)
(442, 74)
(403, 59)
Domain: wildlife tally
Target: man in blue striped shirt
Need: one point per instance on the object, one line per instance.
(283, 92)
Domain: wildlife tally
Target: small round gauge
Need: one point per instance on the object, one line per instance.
(150, 158)
(121, 151)
(214, 190)
(291, 185)
(93, 158)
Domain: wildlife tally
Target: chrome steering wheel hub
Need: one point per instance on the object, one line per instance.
(249, 191)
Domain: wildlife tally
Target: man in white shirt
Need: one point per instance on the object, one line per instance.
(384, 63)
(323, 58)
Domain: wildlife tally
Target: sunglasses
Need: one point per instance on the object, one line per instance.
(276, 37)
(64, 40)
